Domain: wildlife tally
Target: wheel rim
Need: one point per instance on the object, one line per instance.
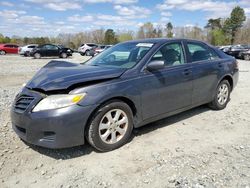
(222, 95)
(37, 55)
(64, 55)
(113, 126)
(2, 52)
(247, 57)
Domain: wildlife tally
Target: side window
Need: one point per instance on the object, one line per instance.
(200, 52)
(8, 46)
(44, 47)
(51, 47)
(171, 54)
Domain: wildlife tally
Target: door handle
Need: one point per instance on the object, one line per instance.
(187, 72)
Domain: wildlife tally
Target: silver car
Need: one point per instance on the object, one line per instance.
(25, 50)
(85, 49)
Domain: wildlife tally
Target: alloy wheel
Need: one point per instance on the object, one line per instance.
(113, 126)
(223, 93)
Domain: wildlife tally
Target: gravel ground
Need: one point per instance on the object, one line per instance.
(197, 148)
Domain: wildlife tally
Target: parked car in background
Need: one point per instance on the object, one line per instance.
(101, 48)
(51, 50)
(127, 86)
(224, 48)
(25, 50)
(236, 50)
(245, 55)
(85, 49)
(8, 49)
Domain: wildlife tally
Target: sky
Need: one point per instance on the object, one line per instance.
(51, 17)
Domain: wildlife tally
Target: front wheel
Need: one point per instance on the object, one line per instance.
(111, 126)
(64, 55)
(222, 96)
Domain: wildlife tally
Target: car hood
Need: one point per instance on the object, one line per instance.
(60, 75)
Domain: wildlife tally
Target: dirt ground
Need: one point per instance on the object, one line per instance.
(197, 148)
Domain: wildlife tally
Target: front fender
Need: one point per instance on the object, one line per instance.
(100, 93)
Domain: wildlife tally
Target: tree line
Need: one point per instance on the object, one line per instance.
(220, 31)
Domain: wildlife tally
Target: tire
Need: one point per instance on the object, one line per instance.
(64, 55)
(26, 54)
(106, 135)
(222, 96)
(37, 56)
(247, 57)
(2, 52)
(87, 53)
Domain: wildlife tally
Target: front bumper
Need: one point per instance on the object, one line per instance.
(60, 128)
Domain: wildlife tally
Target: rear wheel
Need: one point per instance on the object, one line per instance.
(222, 96)
(2, 52)
(37, 56)
(111, 126)
(247, 57)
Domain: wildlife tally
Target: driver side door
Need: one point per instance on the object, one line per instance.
(170, 88)
(52, 50)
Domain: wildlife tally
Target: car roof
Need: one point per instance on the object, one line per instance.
(9, 44)
(163, 40)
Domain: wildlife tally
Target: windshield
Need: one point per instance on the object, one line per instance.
(124, 55)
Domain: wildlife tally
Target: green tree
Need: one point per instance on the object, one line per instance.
(125, 36)
(6, 40)
(234, 22)
(169, 28)
(1, 38)
(110, 37)
(216, 35)
(219, 37)
(214, 24)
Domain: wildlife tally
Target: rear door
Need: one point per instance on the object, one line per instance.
(205, 67)
(14, 49)
(167, 89)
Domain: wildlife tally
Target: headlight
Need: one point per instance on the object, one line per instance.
(58, 101)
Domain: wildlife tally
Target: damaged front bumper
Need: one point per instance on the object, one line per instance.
(58, 128)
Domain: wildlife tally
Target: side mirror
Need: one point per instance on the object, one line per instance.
(155, 65)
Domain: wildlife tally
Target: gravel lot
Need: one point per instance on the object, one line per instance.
(197, 148)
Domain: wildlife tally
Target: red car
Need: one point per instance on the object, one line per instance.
(8, 48)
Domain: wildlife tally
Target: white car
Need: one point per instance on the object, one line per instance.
(101, 48)
(85, 49)
(25, 50)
